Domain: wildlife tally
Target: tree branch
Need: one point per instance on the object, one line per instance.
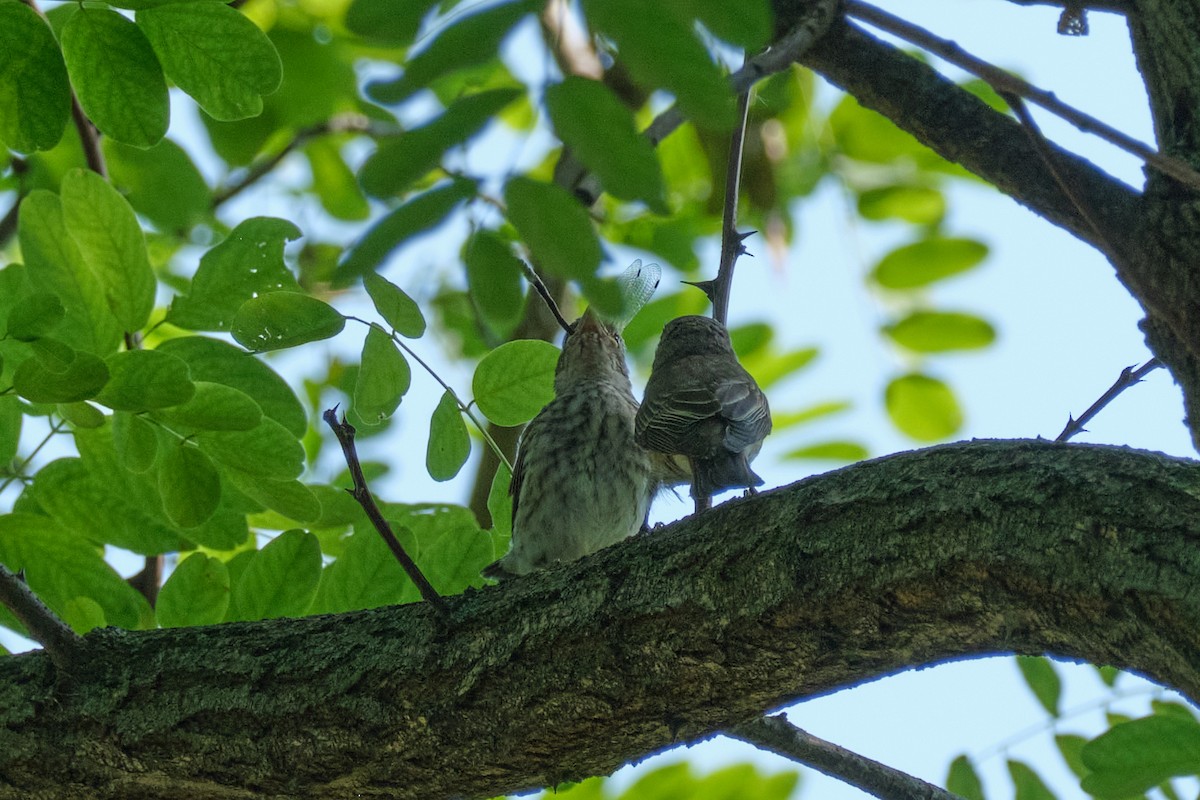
(61, 643)
(964, 550)
(783, 738)
(1128, 377)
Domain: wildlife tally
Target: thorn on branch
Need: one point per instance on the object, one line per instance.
(60, 642)
(1128, 377)
(344, 432)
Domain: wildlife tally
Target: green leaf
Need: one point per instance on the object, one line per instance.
(268, 450)
(160, 182)
(84, 614)
(748, 24)
(449, 444)
(513, 382)
(82, 501)
(1042, 680)
(556, 228)
(81, 415)
(920, 205)
(769, 367)
(196, 593)
(401, 160)
(786, 419)
(280, 580)
(144, 379)
(110, 240)
(941, 331)
(214, 407)
(247, 264)
(922, 407)
(601, 132)
(53, 355)
(116, 75)
(284, 319)
(82, 380)
(334, 183)
(10, 427)
(365, 575)
(387, 21)
(135, 440)
(215, 54)
(35, 97)
(499, 505)
(471, 40)
(927, 261)
(1108, 675)
(395, 306)
(383, 378)
(865, 135)
(1028, 784)
(416, 216)
(494, 279)
(1071, 747)
(662, 50)
(846, 452)
(37, 314)
(61, 566)
(223, 363)
(290, 498)
(189, 485)
(1135, 756)
(963, 781)
(54, 264)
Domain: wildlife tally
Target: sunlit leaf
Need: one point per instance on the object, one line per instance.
(1139, 754)
(963, 780)
(841, 451)
(922, 407)
(600, 130)
(268, 450)
(145, 379)
(284, 319)
(334, 183)
(1042, 679)
(35, 98)
(383, 378)
(1029, 785)
(81, 415)
(291, 498)
(927, 261)
(116, 75)
(214, 407)
(196, 593)
(556, 228)
(189, 485)
(215, 54)
(920, 205)
(1070, 746)
(82, 380)
(513, 382)
(37, 314)
(280, 580)
(941, 331)
(449, 444)
(395, 306)
(135, 440)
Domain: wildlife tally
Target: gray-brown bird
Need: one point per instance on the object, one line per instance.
(701, 403)
(580, 482)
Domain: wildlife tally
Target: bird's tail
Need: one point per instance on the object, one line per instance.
(711, 475)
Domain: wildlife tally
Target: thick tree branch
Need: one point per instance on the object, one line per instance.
(62, 644)
(1080, 551)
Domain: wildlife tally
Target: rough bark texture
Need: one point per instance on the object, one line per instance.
(958, 551)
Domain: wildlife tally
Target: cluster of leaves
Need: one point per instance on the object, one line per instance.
(1129, 759)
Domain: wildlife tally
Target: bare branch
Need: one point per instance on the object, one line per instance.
(1005, 82)
(362, 493)
(60, 642)
(781, 737)
(1127, 378)
(731, 240)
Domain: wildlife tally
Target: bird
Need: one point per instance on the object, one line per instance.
(702, 404)
(580, 482)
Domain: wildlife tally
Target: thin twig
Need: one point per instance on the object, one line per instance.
(536, 281)
(89, 137)
(779, 736)
(1003, 82)
(343, 123)
(1046, 152)
(1127, 378)
(344, 432)
(60, 642)
(731, 240)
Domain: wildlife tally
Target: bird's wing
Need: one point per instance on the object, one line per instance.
(745, 408)
(665, 422)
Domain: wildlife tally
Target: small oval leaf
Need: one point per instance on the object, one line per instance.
(923, 408)
(281, 579)
(383, 378)
(941, 331)
(927, 261)
(278, 320)
(556, 228)
(196, 593)
(146, 379)
(189, 485)
(449, 444)
(395, 306)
